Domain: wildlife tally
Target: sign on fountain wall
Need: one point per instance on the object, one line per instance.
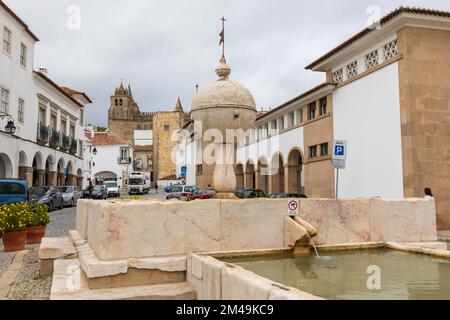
(293, 206)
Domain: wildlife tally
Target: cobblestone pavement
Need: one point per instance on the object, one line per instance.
(29, 285)
(5, 260)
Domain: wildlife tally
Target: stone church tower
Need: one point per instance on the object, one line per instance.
(124, 115)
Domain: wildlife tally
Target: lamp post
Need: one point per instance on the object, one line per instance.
(10, 128)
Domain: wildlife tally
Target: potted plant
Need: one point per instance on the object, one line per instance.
(13, 224)
(37, 222)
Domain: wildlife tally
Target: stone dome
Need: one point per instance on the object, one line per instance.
(223, 92)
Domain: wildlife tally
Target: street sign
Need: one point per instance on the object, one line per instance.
(183, 172)
(338, 164)
(293, 208)
(339, 150)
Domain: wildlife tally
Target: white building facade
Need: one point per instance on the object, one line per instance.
(107, 158)
(46, 147)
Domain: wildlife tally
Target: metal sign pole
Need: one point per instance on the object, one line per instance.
(337, 182)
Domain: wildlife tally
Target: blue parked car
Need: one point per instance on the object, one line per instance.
(13, 191)
(168, 189)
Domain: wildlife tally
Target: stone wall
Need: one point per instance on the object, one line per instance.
(424, 73)
(139, 229)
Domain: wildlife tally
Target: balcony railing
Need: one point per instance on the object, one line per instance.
(55, 139)
(42, 134)
(73, 146)
(65, 142)
(126, 160)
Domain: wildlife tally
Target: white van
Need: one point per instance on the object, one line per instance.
(139, 183)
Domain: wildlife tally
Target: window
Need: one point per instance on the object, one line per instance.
(23, 55)
(53, 118)
(313, 152)
(390, 50)
(72, 130)
(199, 169)
(63, 126)
(166, 127)
(300, 116)
(20, 110)
(7, 40)
(124, 154)
(4, 103)
(116, 102)
(338, 76)
(352, 69)
(323, 106)
(121, 102)
(371, 59)
(312, 110)
(324, 149)
(145, 127)
(42, 114)
(291, 121)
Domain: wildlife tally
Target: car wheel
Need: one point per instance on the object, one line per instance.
(50, 206)
(72, 203)
(62, 205)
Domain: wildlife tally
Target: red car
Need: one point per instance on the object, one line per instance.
(202, 194)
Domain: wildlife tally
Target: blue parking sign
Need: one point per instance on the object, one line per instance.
(339, 150)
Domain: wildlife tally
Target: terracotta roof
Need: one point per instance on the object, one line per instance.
(15, 16)
(320, 86)
(104, 139)
(383, 21)
(143, 148)
(53, 84)
(72, 92)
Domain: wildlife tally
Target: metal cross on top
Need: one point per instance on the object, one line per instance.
(222, 36)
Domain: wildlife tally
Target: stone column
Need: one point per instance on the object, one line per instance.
(60, 181)
(52, 178)
(274, 182)
(286, 179)
(41, 177)
(27, 174)
(71, 180)
(80, 182)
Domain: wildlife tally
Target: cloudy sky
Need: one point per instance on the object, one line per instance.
(164, 48)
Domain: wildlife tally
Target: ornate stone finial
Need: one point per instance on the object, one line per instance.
(223, 70)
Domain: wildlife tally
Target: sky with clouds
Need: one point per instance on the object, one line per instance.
(164, 48)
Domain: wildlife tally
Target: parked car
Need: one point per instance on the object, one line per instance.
(49, 196)
(182, 192)
(112, 189)
(98, 192)
(287, 195)
(250, 193)
(169, 189)
(202, 194)
(70, 195)
(13, 191)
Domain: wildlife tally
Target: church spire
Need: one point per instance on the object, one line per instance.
(129, 91)
(178, 106)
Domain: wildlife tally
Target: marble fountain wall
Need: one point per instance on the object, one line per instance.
(139, 229)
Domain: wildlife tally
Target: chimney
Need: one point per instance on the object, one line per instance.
(43, 70)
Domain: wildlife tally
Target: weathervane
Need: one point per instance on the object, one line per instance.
(222, 36)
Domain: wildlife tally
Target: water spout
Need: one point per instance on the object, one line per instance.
(311, 243)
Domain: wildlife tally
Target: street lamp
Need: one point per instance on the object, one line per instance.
(10, 127)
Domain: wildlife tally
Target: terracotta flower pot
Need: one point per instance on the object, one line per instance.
(35, 234)
(14, 241)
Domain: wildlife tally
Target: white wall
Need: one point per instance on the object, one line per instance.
(16, 79)
(367, 115)
(106, 160)
(283, 143)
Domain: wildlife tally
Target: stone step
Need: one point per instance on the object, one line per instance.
(69, 285)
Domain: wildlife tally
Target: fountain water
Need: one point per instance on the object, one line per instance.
(311, 243)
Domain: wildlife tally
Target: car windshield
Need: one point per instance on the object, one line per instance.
(111, 184)
(39, 191)
(135, 181)
(65, 189)
(98, 188)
